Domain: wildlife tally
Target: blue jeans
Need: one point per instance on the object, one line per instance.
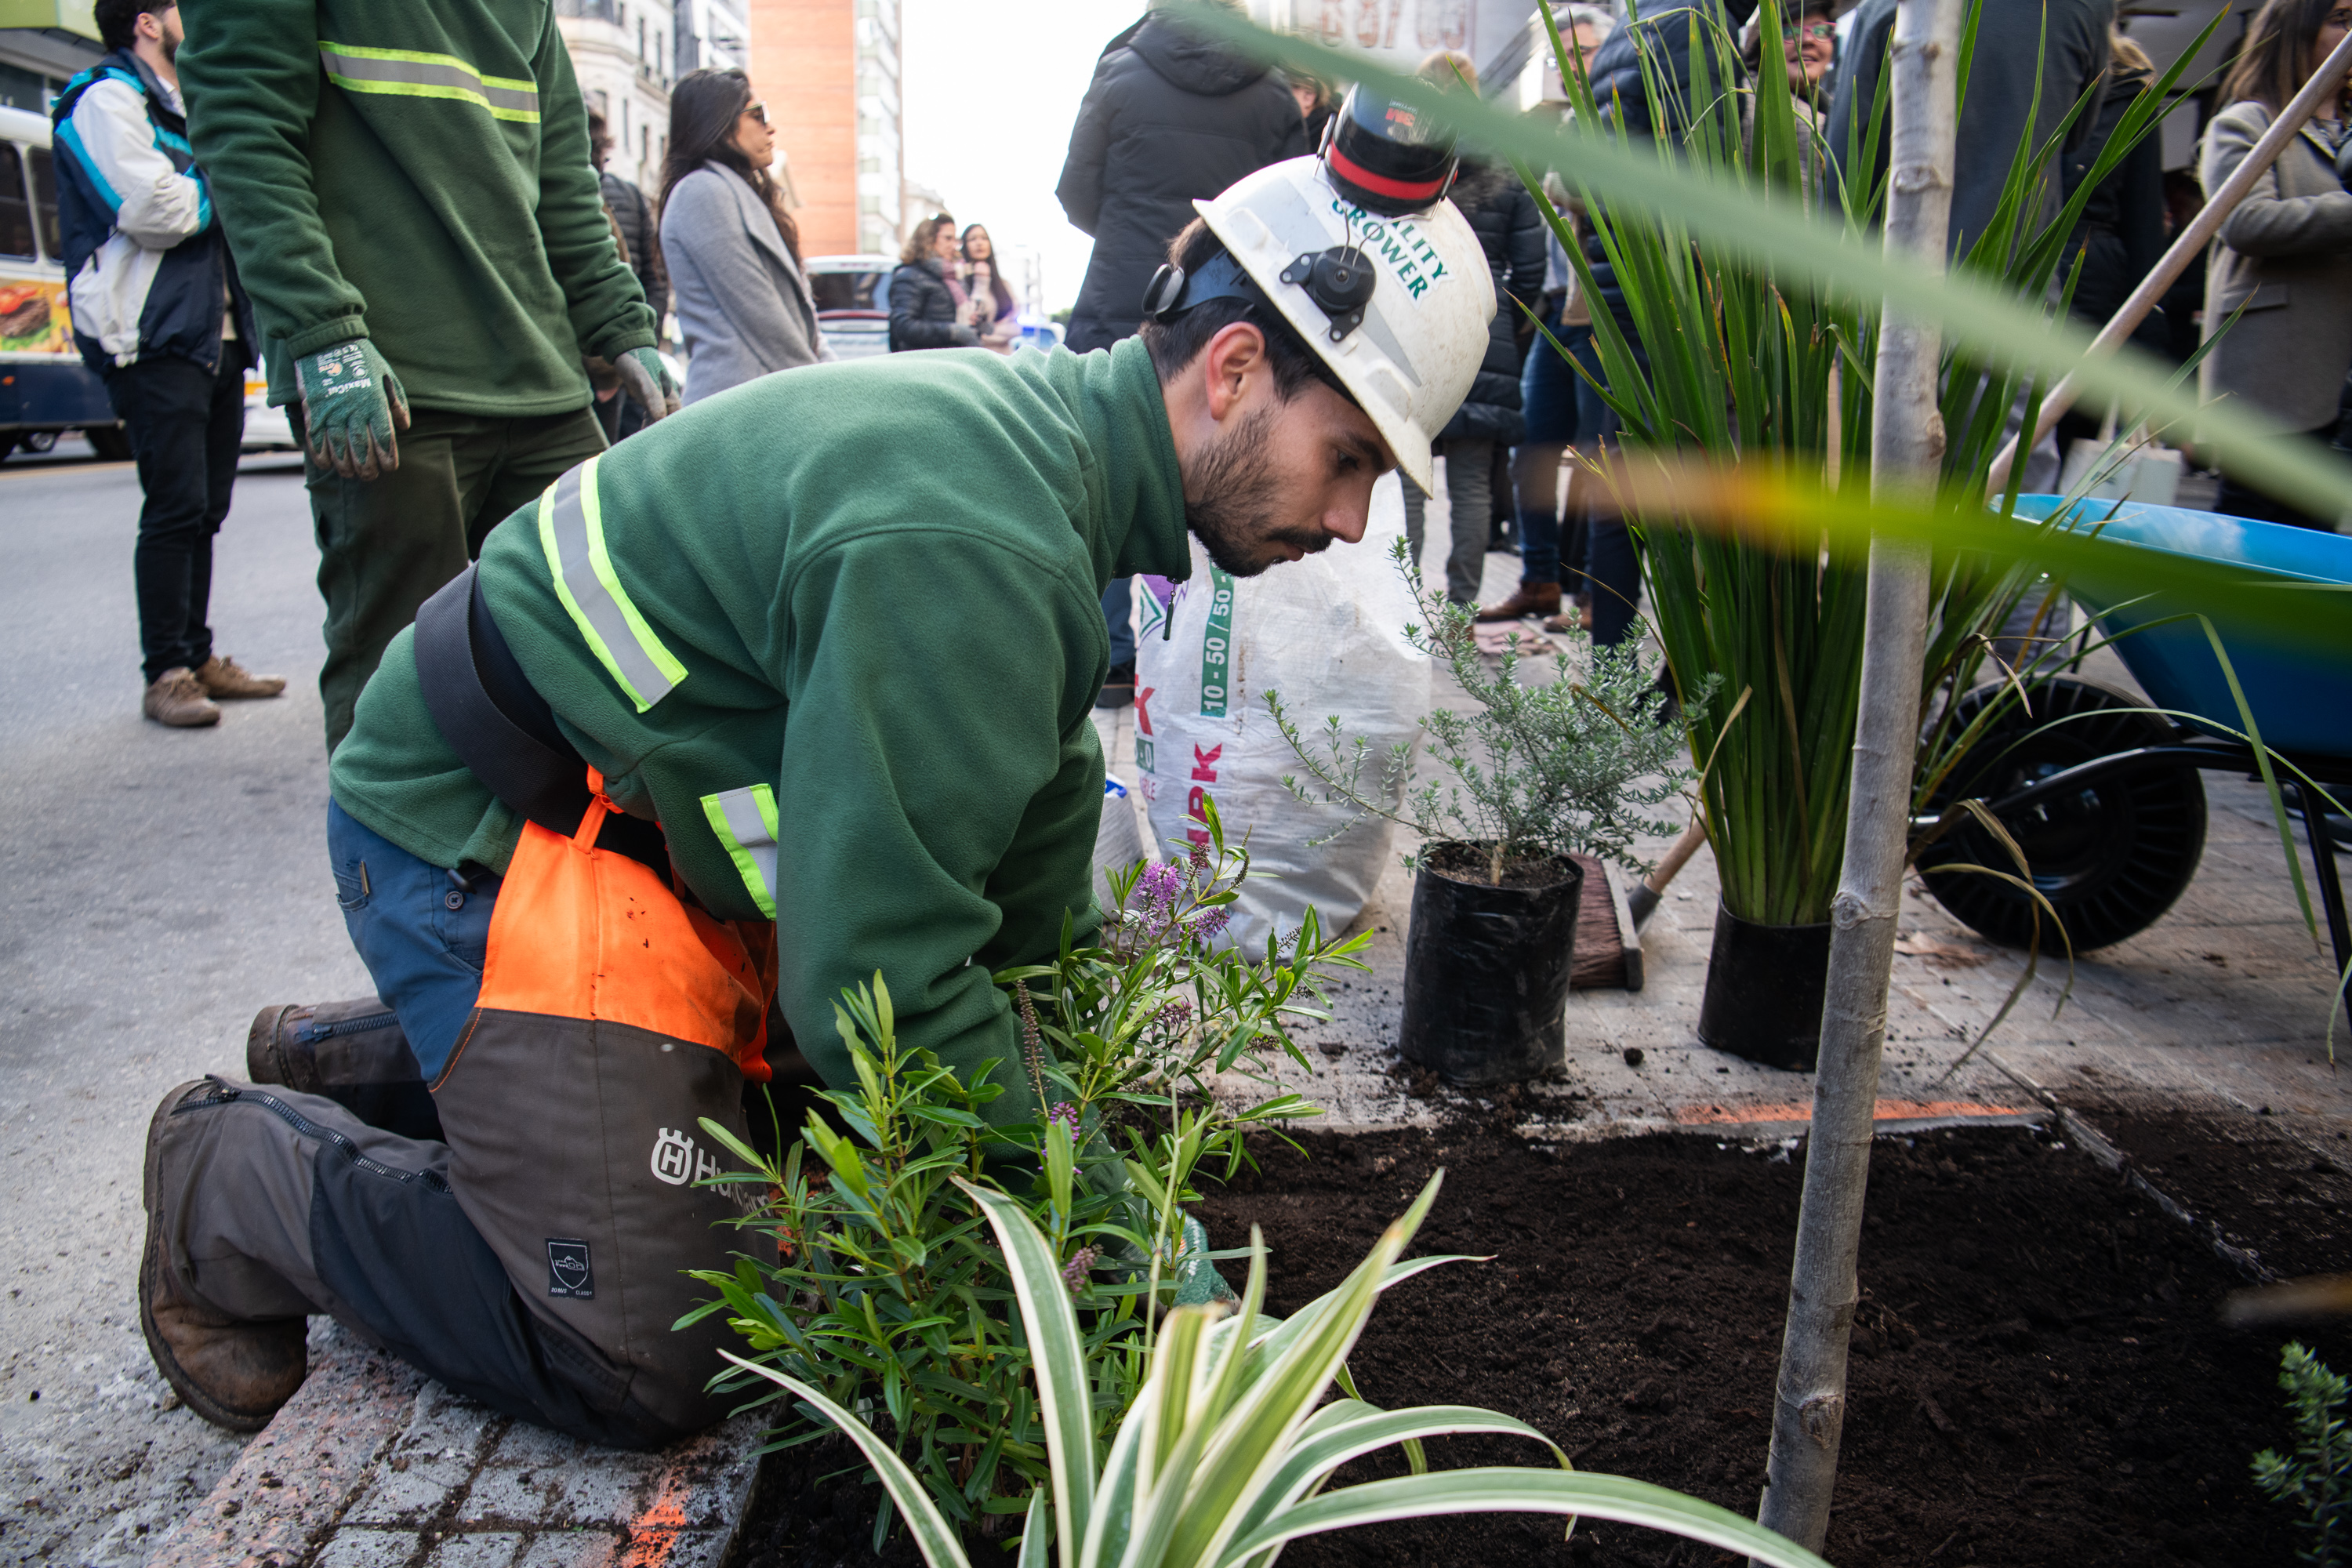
(1556, 401)
(1117, 601)
(423, 938)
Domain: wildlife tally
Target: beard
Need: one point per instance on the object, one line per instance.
(1234, 518)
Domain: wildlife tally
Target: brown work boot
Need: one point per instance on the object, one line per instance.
(1575, 618)
(276, 1052)
(177, 700)
(1533, 598)
(225, 680)
(232, 1373)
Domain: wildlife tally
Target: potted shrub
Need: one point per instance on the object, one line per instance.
(1537, 772)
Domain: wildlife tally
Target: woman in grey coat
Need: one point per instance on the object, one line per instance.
(2285, 254)
(743, 303)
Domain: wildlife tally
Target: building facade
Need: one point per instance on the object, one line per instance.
(829, 71)
(624, 53)
(43, 43)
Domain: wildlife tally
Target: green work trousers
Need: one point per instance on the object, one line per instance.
(387, 545)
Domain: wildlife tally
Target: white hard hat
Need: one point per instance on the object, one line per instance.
(1396, 306)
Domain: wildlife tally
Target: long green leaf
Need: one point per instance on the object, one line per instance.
(1501, 1491)
(1058, 1356)
(1319, 1451)
(933, 1535)
(1780, 227)
(1034, 1528)
(1251, 1438)
(2269, 775)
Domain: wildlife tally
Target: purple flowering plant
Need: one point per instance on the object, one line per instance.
(1141, 1046)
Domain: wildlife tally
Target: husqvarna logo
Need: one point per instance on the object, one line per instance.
(677, 1160)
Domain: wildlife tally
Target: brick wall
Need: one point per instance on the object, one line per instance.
(805, 64)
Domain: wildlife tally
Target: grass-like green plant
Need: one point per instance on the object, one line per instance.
(1537, 770)
(1734, 359)
(1225, 1456)
(2317, 1477)
(886, 1293)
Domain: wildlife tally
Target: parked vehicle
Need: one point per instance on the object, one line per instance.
(45, 389)
(853, 306)
(852, 302)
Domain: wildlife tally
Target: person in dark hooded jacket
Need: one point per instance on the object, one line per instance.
(1170, 119)
(1511, 232)
(1612, 571)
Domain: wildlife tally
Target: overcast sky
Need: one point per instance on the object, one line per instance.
(990, 92)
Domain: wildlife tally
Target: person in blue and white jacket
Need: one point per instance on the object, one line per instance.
(158, 313)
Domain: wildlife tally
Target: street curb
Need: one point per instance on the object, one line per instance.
(371, 1465)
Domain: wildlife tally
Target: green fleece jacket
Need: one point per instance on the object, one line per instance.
(839, 631)
(418, 174)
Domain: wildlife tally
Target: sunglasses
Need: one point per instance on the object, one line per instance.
(758, 111)
(1818, 30)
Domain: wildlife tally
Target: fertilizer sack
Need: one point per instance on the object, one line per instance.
(1328, 633)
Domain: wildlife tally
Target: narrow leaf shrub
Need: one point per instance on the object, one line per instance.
(1537, 770)
(887, 1292)
(2317, 1477)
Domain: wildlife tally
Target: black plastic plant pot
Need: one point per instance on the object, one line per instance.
(1485, 967)
(1764, 989)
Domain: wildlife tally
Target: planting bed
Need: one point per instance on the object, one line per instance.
(2039, 1375)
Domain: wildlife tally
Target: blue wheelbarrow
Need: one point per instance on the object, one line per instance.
(2109, 804)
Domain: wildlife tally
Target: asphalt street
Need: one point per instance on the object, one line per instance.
(162, 886)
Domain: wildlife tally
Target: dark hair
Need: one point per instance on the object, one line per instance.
(1005, 302)
(704, 106)
(1175, 344)
(118, 20)
(2279, 53)
(923, 239)
(600, 140)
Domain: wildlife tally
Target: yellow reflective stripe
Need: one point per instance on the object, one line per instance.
(414, 73)
(745, 822)
(572, 537)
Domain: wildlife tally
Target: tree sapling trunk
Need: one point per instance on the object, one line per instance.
(1906, 444)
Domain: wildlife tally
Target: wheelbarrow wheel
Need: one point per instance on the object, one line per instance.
(2110, 858)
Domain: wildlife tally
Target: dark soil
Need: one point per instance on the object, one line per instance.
(2039, 1375)
(1468, 864)
(2286, 1200)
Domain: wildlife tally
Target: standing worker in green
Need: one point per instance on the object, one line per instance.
(664, 754)
(416, 217)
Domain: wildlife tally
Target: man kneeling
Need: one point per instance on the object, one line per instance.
(790, 689)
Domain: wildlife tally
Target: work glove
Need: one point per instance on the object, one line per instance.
(647, 383)
(352, 404)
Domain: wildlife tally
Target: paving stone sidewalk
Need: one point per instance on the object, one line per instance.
(373, 1466)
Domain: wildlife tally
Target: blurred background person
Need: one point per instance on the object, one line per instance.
(1318, 100)
(2285, 254)
(1171, 117)
(1551, 395)
(425, 276)
(637, 218)
(1511, 232)
(990, 307)
(927, 299)
(743, 302)
(2121, 233)
(159, 316)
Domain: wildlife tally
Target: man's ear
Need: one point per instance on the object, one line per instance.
(1234, 363)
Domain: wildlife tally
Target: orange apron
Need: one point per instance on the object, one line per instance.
(613, 1018)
